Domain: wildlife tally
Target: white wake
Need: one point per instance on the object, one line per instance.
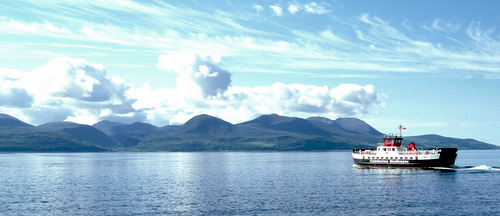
(484, 167)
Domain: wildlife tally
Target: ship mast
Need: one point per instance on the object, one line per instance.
(401, 128)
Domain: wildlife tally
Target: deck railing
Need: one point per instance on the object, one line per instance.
(404, 152)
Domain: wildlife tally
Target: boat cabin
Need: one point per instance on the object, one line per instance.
(391, 143)
(390, 140)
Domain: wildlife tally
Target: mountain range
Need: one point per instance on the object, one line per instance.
(208, 133)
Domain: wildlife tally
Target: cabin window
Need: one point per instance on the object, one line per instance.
(385, 149)
(406, 157)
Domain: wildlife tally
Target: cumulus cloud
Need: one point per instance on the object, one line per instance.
(238, 103)
(352, 99)
(197, 72)
(278, 11)
(10, 93)
(294, 8)
(15, 97)
(306, 100)
(46, 113)
(74, 78)
(76, 90)
(67, 89)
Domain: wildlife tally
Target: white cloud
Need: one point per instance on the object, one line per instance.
(330, 36)
(11, 94)
(98, 33)
(102, 35)
(40, 113)
(294, 8)
(352, 99)
(66, 89)
(311, 7)
(15, 97)
(76, 90)
(441, 25)
(73, 78)
(315, 8)
(398, 48)
(278, 11)
(379, 46)
(485, 40)
(197, 72)
(236, 103)
(258, 8)
(240, 104)
(45, 29)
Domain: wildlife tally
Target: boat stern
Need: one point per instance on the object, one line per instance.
(448, 156)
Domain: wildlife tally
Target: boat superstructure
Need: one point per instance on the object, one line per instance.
(391, 154)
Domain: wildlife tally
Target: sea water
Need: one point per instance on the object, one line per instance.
(241, 183)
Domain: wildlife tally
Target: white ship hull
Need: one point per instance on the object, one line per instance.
(392, 154)
(439, 157)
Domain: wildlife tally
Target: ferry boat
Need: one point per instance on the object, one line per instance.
(391, 154)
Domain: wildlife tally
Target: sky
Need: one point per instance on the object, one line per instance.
(431, 66)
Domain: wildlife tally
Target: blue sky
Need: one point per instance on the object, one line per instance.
(431, 66)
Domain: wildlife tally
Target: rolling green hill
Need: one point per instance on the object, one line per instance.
(208, 133)
(17, 136)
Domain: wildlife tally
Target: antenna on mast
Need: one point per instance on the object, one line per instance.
(401, 128)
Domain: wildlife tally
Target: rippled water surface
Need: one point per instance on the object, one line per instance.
(241, 183)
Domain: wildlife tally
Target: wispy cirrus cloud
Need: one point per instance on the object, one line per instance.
(46, 28)
(429, 56)
(367, 43)
(441, 25)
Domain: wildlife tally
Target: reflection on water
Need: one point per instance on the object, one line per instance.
(237, 183)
